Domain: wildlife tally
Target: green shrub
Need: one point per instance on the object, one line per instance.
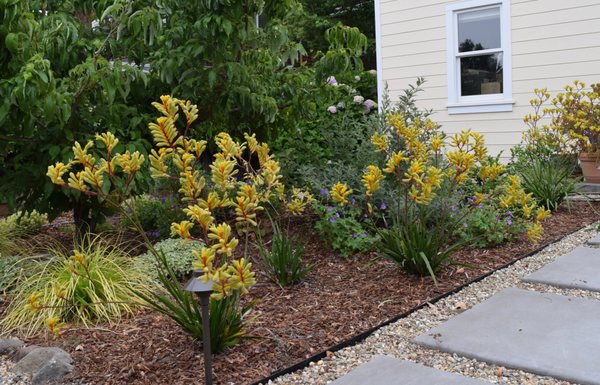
(24, 223)
(283, 263)
(550, 182)
(92, 284)
(228, 319)
(177, 253)
(343, 228)
(488, 225)
(156, 214)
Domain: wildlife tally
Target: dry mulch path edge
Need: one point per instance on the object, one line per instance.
(341, 301)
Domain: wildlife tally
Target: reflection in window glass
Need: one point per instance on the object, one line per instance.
(481, 75)
(478, 30)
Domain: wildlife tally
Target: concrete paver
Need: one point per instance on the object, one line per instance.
(579, 269)
(546, 334)
(384, 370)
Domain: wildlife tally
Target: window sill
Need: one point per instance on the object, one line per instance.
(476, 107)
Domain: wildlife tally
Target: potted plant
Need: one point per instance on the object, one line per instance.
(576, 117)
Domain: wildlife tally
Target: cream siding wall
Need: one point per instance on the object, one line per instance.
(553, 43)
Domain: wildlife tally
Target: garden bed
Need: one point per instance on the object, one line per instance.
(339, 299)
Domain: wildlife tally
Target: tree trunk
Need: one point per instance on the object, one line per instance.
(85, 223)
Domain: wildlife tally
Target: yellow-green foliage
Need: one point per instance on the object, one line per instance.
(420, 167)
(23, 223)
(574, 124)
(91, 284)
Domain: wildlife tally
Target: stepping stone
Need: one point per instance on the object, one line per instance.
(546, 334)
(594, 241)
(579, 269)
(383, 370)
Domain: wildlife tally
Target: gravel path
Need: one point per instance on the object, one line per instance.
(7, 377)
(395, 339)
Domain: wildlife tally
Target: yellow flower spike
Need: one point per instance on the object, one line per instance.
(252, 142)
(541, 214)
(221, 233)
(394, 162)
(189, 110)
(263, 153)
(271, 172)
(415, 172)
(56, 172)
(192, 184)
(93, 177)
(81, 154)
(197, 147)
(79, 259)
(221, 286)
(245, 210)
(182, 229)
(164, 132)
(158, 167)
(280, 189)
(109, 140)
(204, 259)
(199, 215)
(534, 232)
(434, 176)
(130, 163)
(33, 302)
(371, 179)
(54, 325)
(528, 211)
(241, 278)
(437, 143)
(77, 182)
(168, 106)
(222, 172)
(490, 172)
(300, 199)
(229, 148)
(212, 201)
(340, 192)
(380, 142)
(249, 192)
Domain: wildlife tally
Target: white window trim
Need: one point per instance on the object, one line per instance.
(479, 103)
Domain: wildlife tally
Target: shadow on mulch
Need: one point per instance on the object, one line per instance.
(339, 299)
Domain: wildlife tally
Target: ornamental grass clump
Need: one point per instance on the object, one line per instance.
(426, 171)
(90, 284)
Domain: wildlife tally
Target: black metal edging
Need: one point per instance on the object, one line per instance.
(362, 336)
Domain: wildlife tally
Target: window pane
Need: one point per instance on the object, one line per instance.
(479, 30)
(481, 75)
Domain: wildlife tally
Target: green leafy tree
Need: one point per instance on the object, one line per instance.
(61, 81)
(324, 14)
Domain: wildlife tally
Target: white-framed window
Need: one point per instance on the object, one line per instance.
(479, 56)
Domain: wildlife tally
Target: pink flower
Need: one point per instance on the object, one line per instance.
(332, 109)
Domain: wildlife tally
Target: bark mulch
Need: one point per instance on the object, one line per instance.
(339, 299)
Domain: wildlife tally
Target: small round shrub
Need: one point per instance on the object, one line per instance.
(155, 215)
(178, 253)
(24, 223)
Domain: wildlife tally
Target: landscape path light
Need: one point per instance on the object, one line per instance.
(203, 290)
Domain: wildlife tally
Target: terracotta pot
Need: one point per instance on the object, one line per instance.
(589, 163)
